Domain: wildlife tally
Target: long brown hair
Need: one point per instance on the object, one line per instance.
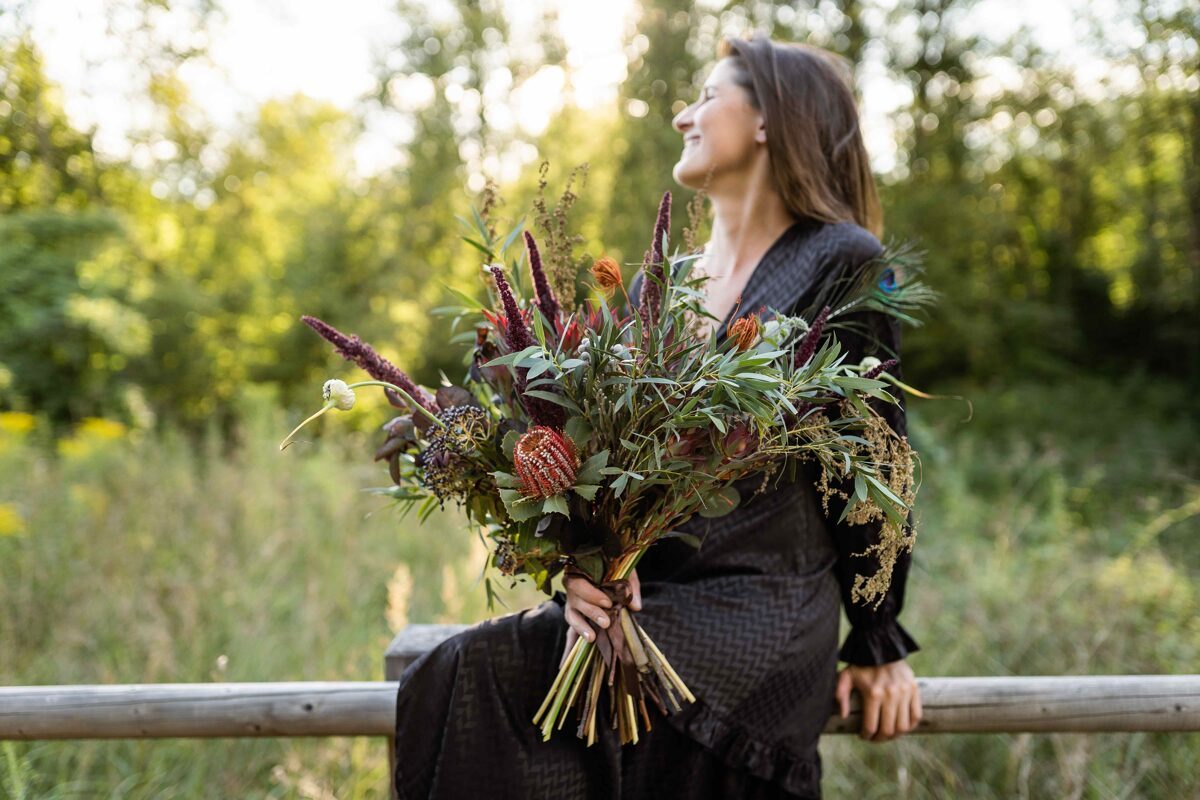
(814, 142)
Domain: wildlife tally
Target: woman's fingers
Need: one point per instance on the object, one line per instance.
(916, 711)
(636, 586)
(585, 590)
(844, 685)
(578, 623)
(596, 614)
(872, 704)
(887, 714)
(903, 721)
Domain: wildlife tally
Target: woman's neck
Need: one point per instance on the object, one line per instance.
(744, 226)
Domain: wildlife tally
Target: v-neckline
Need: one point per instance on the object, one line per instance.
(757, 276)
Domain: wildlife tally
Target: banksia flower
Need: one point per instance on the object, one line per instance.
(607, 274)
(808, 345)
(745, 332)
(545, 461)
(354, 349)
(546, 301)
(655, 271)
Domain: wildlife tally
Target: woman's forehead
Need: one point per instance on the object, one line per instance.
(721, 73)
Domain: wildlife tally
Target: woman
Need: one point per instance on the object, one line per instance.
(750, 619)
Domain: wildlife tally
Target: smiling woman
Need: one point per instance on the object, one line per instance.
(751, 617)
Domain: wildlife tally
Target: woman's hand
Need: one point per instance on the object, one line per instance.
(891, 698)
(585, 601)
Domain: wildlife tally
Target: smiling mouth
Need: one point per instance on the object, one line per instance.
(691, 140)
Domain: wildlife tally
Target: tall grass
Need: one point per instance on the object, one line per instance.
(149, 559)
(1058, 536)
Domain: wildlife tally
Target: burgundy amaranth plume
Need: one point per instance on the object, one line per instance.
(651, 301)
(355, 349)
(516, 334)
(808, 345)
(546, 300)
(879, 369)
(518, 337)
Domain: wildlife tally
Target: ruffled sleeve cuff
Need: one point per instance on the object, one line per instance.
(880, 643)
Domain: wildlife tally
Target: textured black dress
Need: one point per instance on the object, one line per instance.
(749, 621)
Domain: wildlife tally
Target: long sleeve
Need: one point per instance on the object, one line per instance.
(876, 636)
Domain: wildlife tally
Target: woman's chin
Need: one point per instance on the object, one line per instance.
(689, 173)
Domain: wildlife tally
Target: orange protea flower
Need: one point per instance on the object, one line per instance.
(545, 461)
(745, 332)
(607, 273)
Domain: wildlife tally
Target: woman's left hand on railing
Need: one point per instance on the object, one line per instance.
(891, 698)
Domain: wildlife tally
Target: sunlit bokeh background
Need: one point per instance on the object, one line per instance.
(180, 181)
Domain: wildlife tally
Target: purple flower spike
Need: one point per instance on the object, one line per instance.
(518, 337)
(655, 266)
(516, 334)
(354, 349)
(808, 345)
(546, 300)
(879, 369)
(661, 226)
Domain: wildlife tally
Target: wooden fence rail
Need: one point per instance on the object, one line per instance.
(1089, 704)
(204, 710)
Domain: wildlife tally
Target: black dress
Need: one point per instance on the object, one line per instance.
(749, 621)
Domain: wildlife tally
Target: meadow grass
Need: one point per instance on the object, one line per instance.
(1058, 535)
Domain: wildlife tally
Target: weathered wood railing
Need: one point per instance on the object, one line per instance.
(950, 705)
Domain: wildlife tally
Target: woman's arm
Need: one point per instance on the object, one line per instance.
(877, 644)
(876, 636)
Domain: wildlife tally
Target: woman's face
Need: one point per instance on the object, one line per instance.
(722, 131)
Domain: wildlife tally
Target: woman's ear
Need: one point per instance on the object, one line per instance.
(760, 134)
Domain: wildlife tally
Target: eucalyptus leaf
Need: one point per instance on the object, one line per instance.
(721, 502)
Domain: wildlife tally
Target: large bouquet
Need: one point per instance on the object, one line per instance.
(581, 436)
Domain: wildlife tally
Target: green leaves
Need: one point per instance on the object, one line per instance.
(720, 502)
(591, 471)
(556, 505)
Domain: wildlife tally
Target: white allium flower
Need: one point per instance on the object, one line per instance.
(869, 363)
(341, 394)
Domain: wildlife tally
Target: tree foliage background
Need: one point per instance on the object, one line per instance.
(1061, 220)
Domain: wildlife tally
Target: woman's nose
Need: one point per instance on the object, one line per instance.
(682, 120)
